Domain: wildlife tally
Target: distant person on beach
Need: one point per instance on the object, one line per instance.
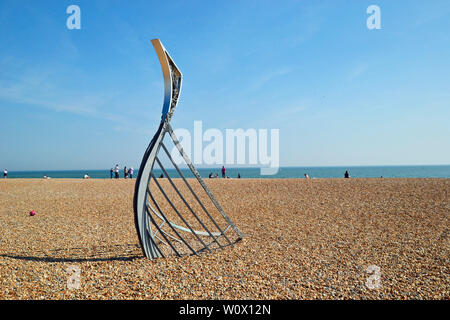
(86, 176)
(161, 176)
(239, 175)
(111, 172)
(346, 175)
(210, 175)
(223, 172)
(125, 172)
(306, 176)
(130, 172)
(116, 171)
(5, 174)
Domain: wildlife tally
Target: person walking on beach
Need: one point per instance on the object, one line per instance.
(5, 174)
(116, 171)
(111, 173)
(125, 172)
(223, 172)
(306, 176)
(346, 175)
(130, 172)
(239, 175)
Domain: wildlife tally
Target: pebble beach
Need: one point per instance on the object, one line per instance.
(304, 239)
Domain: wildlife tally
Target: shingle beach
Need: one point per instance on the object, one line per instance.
(305, 239)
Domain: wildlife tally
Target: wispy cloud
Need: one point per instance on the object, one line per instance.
(267, 77)
(34, 86)
(86, 106)
(357, 71)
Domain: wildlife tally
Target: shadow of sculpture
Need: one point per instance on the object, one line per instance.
(126, 252)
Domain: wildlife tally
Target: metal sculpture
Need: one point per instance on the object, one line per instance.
(167, 221)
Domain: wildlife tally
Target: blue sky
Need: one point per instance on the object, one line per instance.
(339, 93)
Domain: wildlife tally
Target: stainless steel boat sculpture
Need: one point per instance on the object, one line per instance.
(167, 222)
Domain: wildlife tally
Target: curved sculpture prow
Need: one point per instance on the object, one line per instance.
(172, 79)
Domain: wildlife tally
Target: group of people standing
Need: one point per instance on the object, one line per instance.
(223, 174)
(127, 173)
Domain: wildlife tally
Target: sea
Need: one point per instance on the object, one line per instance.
(429, 171)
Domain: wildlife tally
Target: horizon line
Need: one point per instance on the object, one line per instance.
(280, 167)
